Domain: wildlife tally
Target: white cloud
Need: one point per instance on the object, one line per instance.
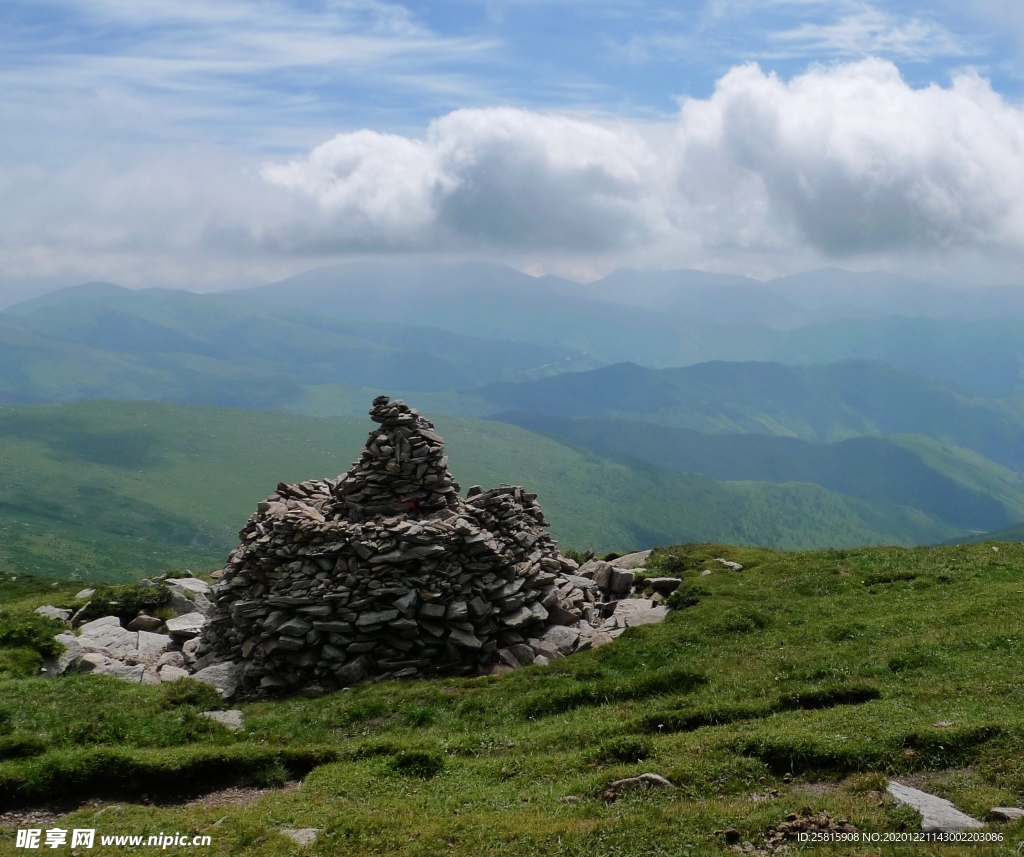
(837, 160)
(765, 175)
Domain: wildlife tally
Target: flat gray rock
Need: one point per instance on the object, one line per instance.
(50, 612)
(107, 633)
(124, 672)
(190, 584)
(303, 836)
(85, 593)
(631, 560)
(1006, 813)
(186, 627)
(232, 719)
(579, 582)
(638, 611)
(937, 814)
(97, 624)
(223, 676)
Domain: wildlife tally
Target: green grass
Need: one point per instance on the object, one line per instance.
(113, 491)
(839, 668)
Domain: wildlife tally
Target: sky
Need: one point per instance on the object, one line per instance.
(210, 144)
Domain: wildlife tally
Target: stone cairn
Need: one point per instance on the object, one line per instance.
(386, 572)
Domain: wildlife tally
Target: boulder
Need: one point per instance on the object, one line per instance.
(223, 676)
(620, 581)
(169, 672)
(151, 647)
(142, 622)
(663, 585)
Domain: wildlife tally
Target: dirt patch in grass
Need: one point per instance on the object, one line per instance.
(239, 796)
(29, 818)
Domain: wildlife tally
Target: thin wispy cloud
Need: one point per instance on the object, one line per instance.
(872, 32)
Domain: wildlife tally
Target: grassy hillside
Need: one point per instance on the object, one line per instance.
(906, 472)
(823, 403)
(804, 680)
(111, 490)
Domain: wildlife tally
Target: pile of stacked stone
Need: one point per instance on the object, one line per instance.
(386, 572)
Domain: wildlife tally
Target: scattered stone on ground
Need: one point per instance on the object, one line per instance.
(303, 836)
(938, 815)
(735, 566)
(29, 818)
(85, 593)
(1006, 813)
(706, 572)
(640, 781)
(777, 838)
(232, 719)
(49, 612)
(239, 796)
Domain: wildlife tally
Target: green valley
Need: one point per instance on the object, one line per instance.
(114, 490)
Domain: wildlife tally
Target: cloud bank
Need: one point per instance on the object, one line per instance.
(842, 160)
(766, 175)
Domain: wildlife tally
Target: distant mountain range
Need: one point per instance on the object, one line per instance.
(798, 412)
(970, 337)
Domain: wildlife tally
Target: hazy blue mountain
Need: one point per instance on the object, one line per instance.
(871, 468)
(699, 296)
(484, 299)
(821, 403)
(102, 341)
(680, 318)
(832, 293)
(986, 357)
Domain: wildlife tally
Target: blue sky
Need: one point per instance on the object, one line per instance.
(209, 144)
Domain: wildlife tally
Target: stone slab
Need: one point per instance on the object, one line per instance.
(190, 584)
(631, 560)
(937, 814)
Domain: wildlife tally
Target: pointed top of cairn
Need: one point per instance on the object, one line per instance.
(402, 470)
